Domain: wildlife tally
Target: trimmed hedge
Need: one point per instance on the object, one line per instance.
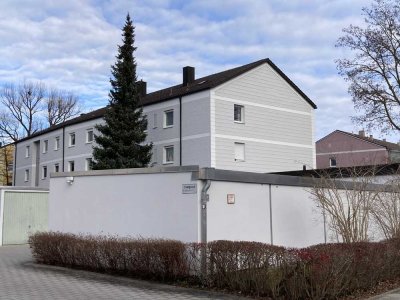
(146, 258)
(325, 271)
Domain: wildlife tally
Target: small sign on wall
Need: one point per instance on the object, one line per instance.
(230, 198)
(190, 188)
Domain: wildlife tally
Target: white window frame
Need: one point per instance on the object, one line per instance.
(165, 161)
(55, 168)
(27, 151)
(26, 175)
(70, 163)
(57, 143)
(165, 118)
(87, 136)
(241, 121)
(244, 151)
(330, 162)
(70, 139)
(44, 172)
(45, 146)
(87, 164)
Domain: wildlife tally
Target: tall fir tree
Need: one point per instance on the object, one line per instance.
(120, 143)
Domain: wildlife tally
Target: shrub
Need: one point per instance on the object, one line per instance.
(325, 271)
(250, 267)
(146, 258)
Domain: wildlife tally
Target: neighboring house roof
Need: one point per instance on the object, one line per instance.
(388, 145)
(200, 84)
(380, 170)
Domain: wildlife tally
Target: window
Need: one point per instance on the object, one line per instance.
(168, 118)
(26, 175)
(155, 121)
(27, 151)
(44, 172)
(45, 146)
(71, 166)
(57, 143)
(332, 162)
(238, 113)
(72, 139)
(168, 154)
(88, 165)
(239, 151)
(56, 168)
(89, 135)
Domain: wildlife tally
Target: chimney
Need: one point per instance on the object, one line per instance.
(142, 88)
(361, 133)
(188, 75)
(371, 136)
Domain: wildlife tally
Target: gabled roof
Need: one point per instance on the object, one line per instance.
(200, 84)
(388, 145)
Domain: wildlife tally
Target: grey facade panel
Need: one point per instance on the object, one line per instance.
(195, 140)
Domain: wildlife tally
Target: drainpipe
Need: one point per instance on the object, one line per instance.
(63, 146)
(270, 215)
(203, 227)
(15, 163)
(180, 130)
(204, 199)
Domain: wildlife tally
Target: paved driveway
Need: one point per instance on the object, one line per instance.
(21, 279)
(395, 294)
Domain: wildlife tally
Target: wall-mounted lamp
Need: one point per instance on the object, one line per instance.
(70, 180)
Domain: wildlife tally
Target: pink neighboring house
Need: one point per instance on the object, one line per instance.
(344, 149)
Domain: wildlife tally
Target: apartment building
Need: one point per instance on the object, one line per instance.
(344, 149)
(250, 118)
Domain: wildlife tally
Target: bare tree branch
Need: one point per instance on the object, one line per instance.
(60, 106)
(27, 108)
(347, 210)
(373, 71)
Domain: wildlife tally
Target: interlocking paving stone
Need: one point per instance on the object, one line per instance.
(21, 278)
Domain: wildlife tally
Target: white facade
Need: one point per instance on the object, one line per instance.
(277, 129)
(274, 131)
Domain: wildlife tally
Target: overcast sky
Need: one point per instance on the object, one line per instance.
(71, 44)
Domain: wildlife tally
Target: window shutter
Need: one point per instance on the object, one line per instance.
(239, 151)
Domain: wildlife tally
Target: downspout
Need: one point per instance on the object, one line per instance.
(203, 227)
(63, 151)
(15, 163)
(270, 215)
(180, 130)
(204, 199)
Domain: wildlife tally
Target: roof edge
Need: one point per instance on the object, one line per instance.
(291, 83)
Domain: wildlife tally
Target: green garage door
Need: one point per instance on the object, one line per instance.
(24, 213)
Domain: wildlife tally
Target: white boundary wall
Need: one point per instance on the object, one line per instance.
(287, 216)
(150, 203)
(146, 205)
